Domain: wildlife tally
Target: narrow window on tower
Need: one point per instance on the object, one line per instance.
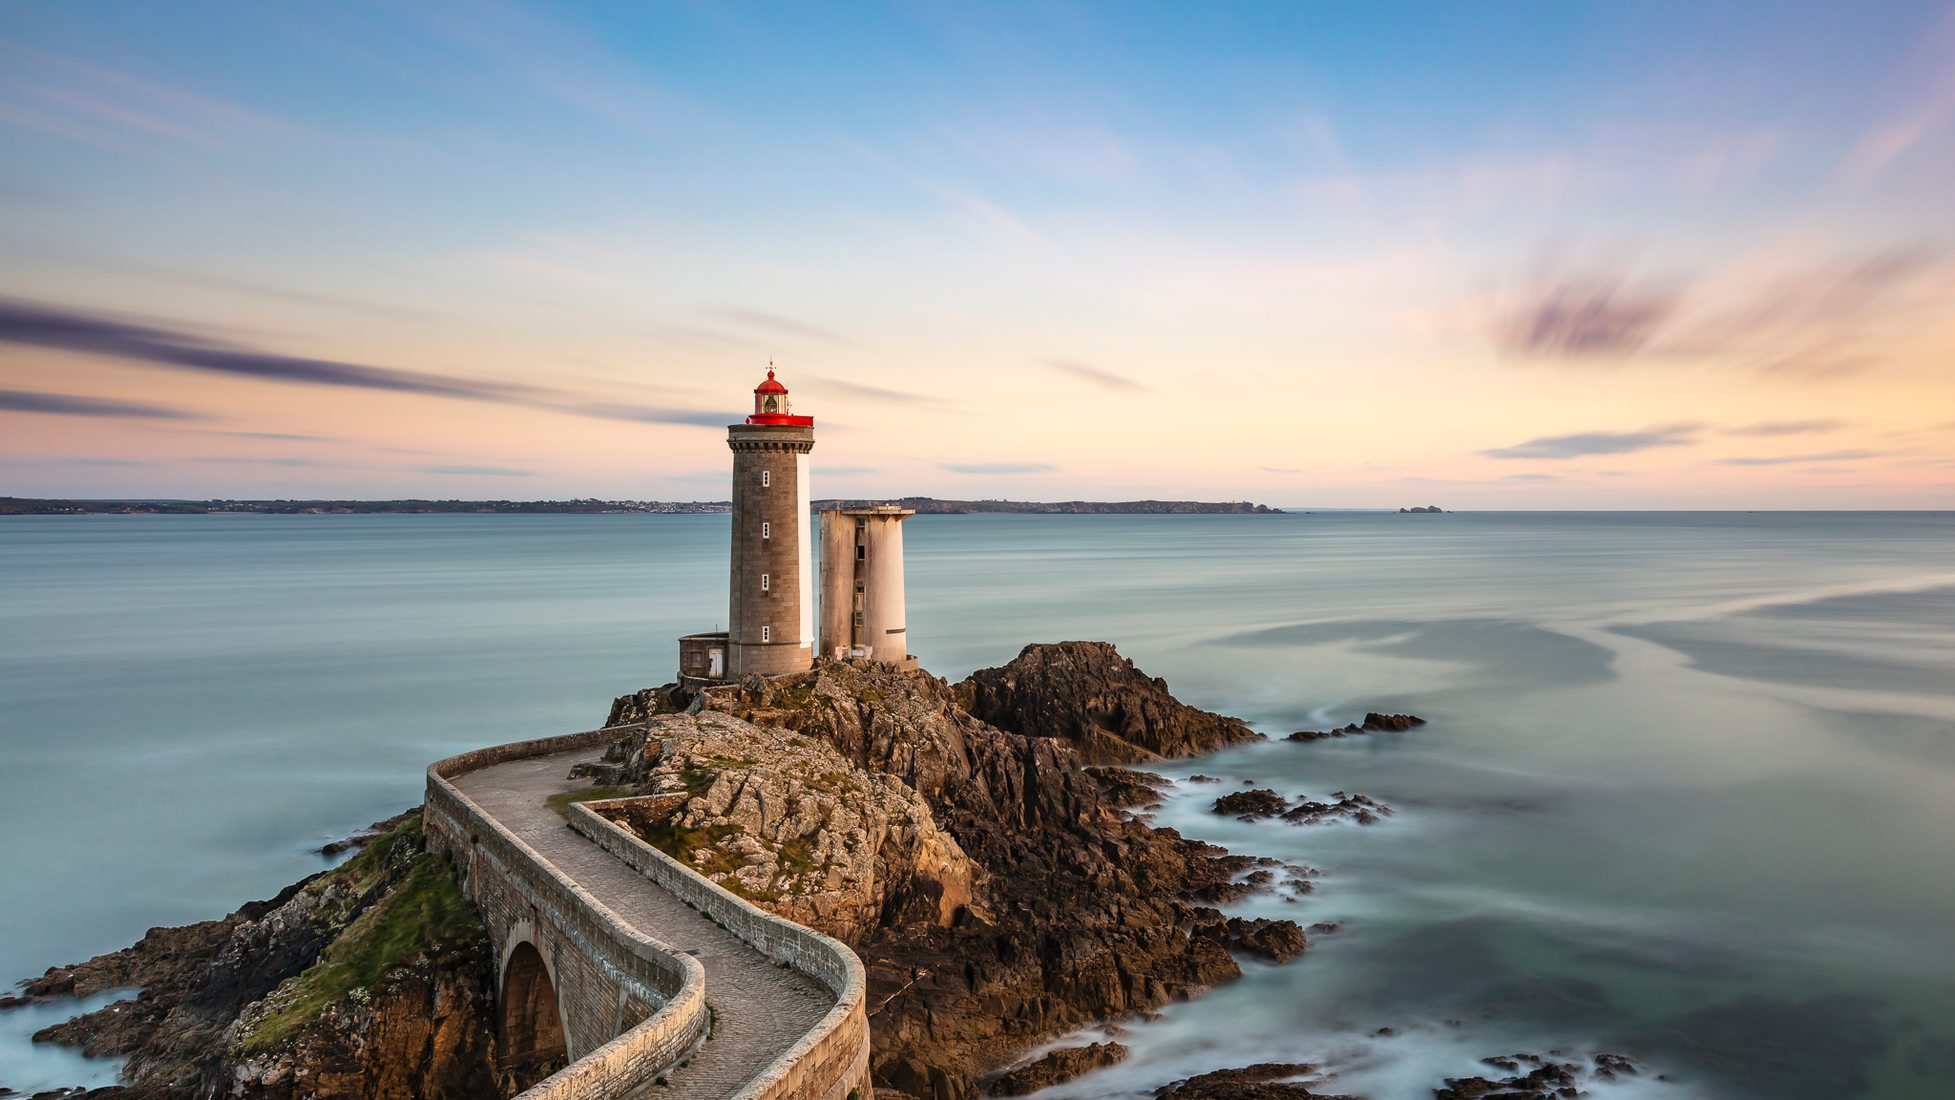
(767, 530)
(763, 582)
(766, 633)
(766, 478)
(861, 553)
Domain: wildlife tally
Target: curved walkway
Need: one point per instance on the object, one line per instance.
(760, 1009)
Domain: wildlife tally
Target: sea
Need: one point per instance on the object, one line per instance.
(1685, 792)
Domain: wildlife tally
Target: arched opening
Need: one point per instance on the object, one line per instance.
(530, 1034)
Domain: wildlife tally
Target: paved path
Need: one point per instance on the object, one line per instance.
(760, 1009)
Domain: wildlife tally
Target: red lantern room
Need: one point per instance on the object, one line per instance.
(770, 404)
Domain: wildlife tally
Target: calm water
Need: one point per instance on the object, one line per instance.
(1688, 788)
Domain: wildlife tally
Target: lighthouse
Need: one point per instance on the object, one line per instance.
(771, 621)
(771, 595)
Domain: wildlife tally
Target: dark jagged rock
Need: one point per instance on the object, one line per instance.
(1534, 1077)
(216, 1016)
(1277, 941)
(360, 839)
(1363, 809)
(1263, 803)
(1058, 1067)
(1253, 805)
(1373, 723)
(1085, 693)
(1262, 1081)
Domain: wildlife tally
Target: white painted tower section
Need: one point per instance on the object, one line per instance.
(803, 511)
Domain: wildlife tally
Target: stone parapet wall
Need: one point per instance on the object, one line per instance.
(633, 1008)
(829, 1063)
(611, 975)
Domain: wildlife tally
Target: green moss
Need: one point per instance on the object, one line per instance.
(796, 697)
(872, 695)
(696, 780)
(681, 843)
(422, 920)
(561, 802)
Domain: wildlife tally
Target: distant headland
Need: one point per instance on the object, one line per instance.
(35, 506)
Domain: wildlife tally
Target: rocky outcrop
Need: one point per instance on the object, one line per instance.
(786, 821)
(1533, 1077)
(1076, 912)
(1057, 1067)
(1088, 695)
(369, 980)
(1262, 1081)
(1261, 803)
(1373, 723)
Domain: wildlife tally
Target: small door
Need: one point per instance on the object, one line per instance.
(716, 664)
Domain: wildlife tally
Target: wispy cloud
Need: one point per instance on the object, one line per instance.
(1581, 444)
(1789, 427)
(849, 471)
(646, 414)
(1815, 321)
(997, 467)
(121, 111)
(864, 391)
(481, 471)
(1532, 477)
(1924, 104)
(1098, 376)
(1585, 316)
(297, 461)
(34, 324)
(1279, 469)
(775, 324)
(1786, 460)
(71, 404)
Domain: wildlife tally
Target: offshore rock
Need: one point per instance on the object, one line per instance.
(1252, 805)
(369, 980)
(1373, 723)
(1087, 694)
(1533, 1077)
(1262, 1081)
(1058, 1067)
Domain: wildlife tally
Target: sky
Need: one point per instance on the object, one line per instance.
(1491, 255)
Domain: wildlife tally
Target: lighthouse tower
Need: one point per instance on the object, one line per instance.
(771, 598)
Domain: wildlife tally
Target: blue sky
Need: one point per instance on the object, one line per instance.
(1040, 239)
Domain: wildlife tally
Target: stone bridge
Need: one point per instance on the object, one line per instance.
(621, 969)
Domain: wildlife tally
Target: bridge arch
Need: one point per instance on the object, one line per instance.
(529, 1019)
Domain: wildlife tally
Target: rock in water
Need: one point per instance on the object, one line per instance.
(1373, 722)
(1251, 805)
(1262, 1081)
(1058, 1067)
(1087, 694)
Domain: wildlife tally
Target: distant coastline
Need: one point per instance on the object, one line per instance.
(34, 506)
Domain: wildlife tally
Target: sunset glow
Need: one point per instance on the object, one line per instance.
(1512, 256)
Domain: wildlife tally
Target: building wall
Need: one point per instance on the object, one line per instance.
(837, 582)
(783, 612)
(883, 630)
(878, 569)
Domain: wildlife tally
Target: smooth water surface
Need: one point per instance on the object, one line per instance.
(1687, 790)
